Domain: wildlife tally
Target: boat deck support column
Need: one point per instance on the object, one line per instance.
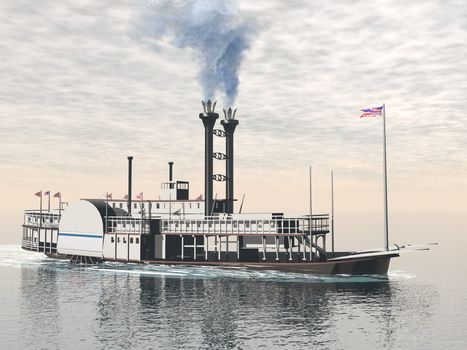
(304, 248)
(277, 247)
(194, 247)
(290, 239)
(227, 247)
(183, 245)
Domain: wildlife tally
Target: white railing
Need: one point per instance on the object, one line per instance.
(44, 219)
(224, 226)
(125, 224)
(29, 244)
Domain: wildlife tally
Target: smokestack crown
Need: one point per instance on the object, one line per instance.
(209, 107)
(229, 123)
(229, 114)
(209, 116)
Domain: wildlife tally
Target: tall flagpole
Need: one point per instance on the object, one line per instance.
(332, 211)
(311, 218)
(386, 225)
(142, 213)
(59, 205)
(40, 224)
(48, 205)
(106, 212)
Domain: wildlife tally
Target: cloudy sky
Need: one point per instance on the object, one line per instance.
(79, 93)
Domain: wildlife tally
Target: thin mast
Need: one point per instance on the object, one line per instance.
(40, 225)
(106, 212)
(142, 213)
(60, 206)
(241, 205)
(386, 225)
(332, 211)
(311, 221)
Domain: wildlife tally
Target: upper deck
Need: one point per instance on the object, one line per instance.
(226, 226)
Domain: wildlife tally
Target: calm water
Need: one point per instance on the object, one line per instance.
(46, 304)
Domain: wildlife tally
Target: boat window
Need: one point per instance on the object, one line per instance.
(182, 186)
(112, 240)
(131, 240)
(137, 240)
(118, 239)
(157, 205)
(124, 240)
(113, 205)
(135, 205)
(121, 205)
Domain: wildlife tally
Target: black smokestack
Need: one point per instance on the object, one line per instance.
(229, 124)
(209, 120)
(130, 160)
(171, 164)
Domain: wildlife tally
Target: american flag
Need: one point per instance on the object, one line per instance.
(140, 196)
(371, 112)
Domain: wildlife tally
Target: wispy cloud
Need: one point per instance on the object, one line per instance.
(76, 87)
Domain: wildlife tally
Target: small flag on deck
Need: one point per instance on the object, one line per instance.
(200, 197)
(39, 194)
(140, 196)
(372, 111)
(47, 193)
(109, 195)
(125, 196)
(57, 195)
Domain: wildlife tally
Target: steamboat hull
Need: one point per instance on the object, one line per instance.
(350, 266)
(356, 266)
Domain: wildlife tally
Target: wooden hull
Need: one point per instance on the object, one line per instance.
(373, 265)
(356, 266)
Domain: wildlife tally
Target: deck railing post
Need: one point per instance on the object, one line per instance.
(206, 248)
(277, 247)
(194, 247)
